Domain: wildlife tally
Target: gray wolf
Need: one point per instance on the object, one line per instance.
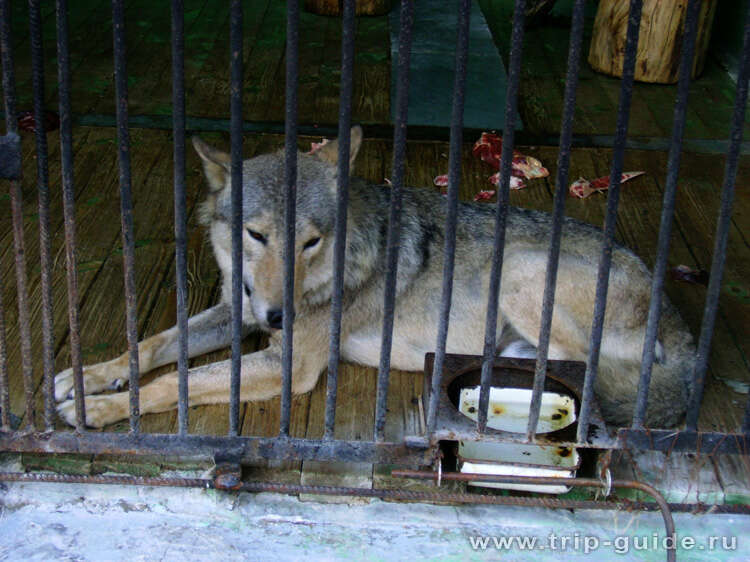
(417, 300)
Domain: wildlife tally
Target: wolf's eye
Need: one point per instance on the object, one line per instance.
(311, 243)
(257, 236)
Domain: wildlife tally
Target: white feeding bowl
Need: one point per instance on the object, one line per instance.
(511, 459)
(509, 409)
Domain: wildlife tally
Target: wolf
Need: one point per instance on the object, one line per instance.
(418, 288)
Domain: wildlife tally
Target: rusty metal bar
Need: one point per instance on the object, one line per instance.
(24, 321)
(699, 442)
(290, 204)
(42, 172)
(243, 449)
(236, 69)
(722, 234)
(501, 212)
(16, 200)
(561, 188)
(451, 217)
(394, 215)
(342, 199)
(66, 159)
(5, 418)
(126, 205)
(613, 198)
(180, 206)
(667, 211)
(227, 484)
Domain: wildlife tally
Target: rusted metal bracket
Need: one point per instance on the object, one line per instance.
(10, 157)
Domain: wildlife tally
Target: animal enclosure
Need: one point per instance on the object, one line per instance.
(118, 134)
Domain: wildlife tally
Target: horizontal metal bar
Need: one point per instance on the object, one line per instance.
(442, 497)
(241, 448)
(699, 442)
(416, 133)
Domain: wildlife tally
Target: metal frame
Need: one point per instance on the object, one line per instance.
(415, 450)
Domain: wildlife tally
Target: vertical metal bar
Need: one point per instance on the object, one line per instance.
(180, 206)
(4, 392)
(235, 34)
(722, 235)
(394, 216)
(42, 170)
(342, 199)
(613, 197)
(126, 204)
(561, 188)
(667, 211)
(454, 177)
(290, 200)
(11, 126)
(501, 211)
(66, 158)
(9, 89)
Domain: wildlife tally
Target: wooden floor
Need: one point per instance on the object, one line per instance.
(97, 202)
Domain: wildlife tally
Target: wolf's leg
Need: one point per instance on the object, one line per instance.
(207, 331)
(209, 384)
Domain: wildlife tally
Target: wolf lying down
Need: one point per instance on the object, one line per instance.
(417, 301)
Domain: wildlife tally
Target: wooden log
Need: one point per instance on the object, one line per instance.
(659, 43)
(362, 7)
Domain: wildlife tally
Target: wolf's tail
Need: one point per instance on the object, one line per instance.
(671, 379)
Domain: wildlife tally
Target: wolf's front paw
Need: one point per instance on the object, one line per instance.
(100, 410)
(96, 378)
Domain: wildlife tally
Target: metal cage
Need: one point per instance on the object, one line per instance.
(415, 450)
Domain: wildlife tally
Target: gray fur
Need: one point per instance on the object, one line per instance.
(418, 291)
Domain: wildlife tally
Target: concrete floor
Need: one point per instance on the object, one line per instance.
(41, 521)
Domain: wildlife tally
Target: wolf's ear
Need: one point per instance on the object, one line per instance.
(329, 152)
(215, 164)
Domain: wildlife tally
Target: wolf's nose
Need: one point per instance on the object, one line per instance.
(274, 316)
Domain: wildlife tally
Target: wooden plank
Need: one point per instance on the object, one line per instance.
(88, 13)
(102, 306)
(372, 71)
(319, 68)
(637, 228)
(88, 168)
(150, 58)
(147, 32)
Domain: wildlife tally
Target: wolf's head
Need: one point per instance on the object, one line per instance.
(263, 221)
